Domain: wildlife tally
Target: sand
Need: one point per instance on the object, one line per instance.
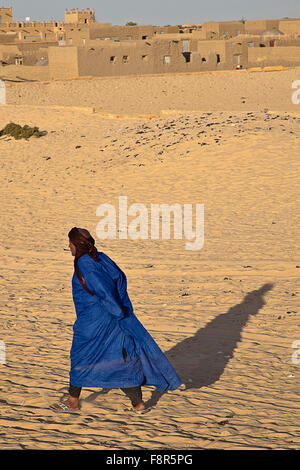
(226, 315)
(237, 90)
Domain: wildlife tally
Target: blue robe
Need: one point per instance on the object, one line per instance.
(110, 347)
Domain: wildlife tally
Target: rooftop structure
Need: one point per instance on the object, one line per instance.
(76, 16)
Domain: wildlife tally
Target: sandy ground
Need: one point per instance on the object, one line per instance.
(211, 91)
(225, 315)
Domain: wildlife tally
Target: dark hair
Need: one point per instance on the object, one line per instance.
(85, 244)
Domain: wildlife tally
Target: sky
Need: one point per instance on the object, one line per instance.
(157, 12)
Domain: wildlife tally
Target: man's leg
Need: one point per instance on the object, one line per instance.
(74, 391)
(136, 397)
(72, 402)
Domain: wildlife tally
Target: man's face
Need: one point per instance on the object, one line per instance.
(72, 248)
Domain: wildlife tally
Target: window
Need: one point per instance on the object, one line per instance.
(70, 41)
(236, 59)
(125, 59)
(128, 38)
(187, 56)
(186, 45)
(112, 59)
(31, 37)
(84, 41)
(203, 59)
(250, 44)
(218, 58)
(167, 59)
(144, 57)
(144, 37)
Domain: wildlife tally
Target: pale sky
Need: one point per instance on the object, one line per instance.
(157, 12)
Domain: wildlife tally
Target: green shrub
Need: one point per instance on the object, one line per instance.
(19, 132)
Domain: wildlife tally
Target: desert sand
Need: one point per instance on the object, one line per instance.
(226, 316)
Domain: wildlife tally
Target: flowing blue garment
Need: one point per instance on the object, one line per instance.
(110, 347)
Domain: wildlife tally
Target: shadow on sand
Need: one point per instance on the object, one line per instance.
(200, 360)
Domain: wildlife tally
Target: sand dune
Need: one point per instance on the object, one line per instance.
(225, 315)
(210, 91)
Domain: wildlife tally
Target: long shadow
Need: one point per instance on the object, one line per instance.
(201, 359)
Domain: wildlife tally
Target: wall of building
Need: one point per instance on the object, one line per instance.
(76, 16)
(264, 56)
(290, 26)
(115, 59)
(6, 38)
(29, 53)
(225, 50)
(205, 48)
(259, 26)
(214, 30)
(188, 43)
(127, 58)
(84, 35)
(8, 52)
(6, 15)
(221, 30)
(287, 42)
(209, 30)
(27, 73)
(32, 34)
(231, 29)
(236, 54)
(121, 32)
(177, 62)
(63, 62)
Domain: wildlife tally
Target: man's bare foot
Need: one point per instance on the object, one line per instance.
(71, 403)
(140, 406)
